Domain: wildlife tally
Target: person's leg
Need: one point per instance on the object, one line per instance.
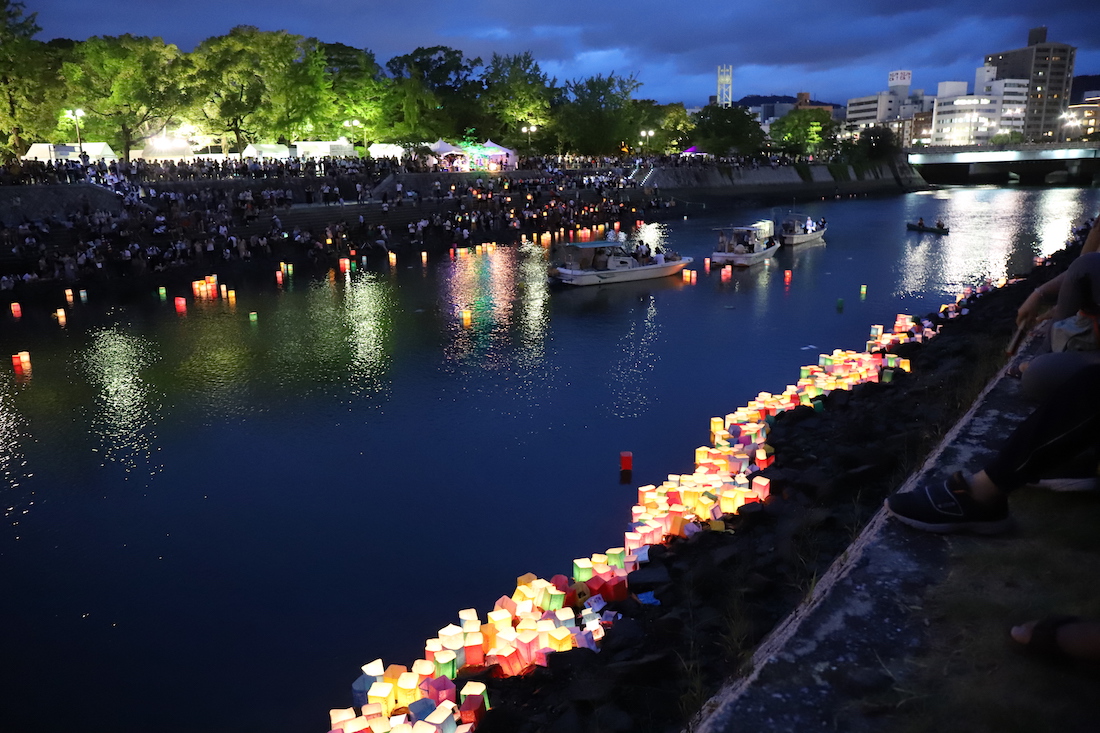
(1045, 373)
(1063, 425)
(1060, 428)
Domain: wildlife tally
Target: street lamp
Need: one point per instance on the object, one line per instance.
(646, 134)
(529, 129)
(357, 123)
(1070, 121)
(75, 115)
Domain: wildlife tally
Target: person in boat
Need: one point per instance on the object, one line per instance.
(920, 222)
(600, 259)
(821, 223)
(658, 256)
(939, 224)
(723, 242)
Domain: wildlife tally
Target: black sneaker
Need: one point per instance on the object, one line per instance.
(949, 507)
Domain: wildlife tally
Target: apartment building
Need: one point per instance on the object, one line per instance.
(1048, 69)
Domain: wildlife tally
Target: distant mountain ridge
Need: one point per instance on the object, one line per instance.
(755, 100)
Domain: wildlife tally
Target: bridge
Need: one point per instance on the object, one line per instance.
(1035, 163)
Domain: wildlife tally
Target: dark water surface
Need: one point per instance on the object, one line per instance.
(211, 524)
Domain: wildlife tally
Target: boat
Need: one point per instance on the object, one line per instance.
(744, 246)
(597, 263)
(800, 228)
(919, 227)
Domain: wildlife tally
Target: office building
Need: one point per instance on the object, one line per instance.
(1048, 68)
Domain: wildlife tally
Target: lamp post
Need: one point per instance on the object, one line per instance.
(646, 135)
(357, 123)
(529, 129)
(75, 115)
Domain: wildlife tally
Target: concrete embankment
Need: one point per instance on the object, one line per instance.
(33, 203)
(801, 180)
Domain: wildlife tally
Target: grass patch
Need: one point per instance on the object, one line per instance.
(971, 679)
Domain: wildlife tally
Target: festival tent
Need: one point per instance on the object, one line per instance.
(340, 148)
(166, 148)
(266, 150)
(440, 147)
(386, 150)
(69, 151)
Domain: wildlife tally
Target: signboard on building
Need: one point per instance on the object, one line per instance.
(900, 78)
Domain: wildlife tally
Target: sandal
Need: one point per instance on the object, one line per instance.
(1043, 642)
(1016, 370)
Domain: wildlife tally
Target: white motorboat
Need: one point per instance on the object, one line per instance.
(597, 263)
(745, 246)
(800, 229)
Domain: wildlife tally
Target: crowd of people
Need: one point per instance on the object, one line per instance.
(160, 225)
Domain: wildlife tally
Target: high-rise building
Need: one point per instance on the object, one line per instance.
(1048, 67)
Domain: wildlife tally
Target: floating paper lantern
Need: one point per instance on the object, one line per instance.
(424, 258)
(83, 296)
(252, 317)
(626, 460)
(279, 277)
(181, 305)
(686, 274)
(69, 296)
(787, 276)
(163, 293)
(16, 310)
(61, 316)
(393, 259)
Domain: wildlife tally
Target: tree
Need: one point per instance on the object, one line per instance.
(262, 85)
(516, 95)
(135, 83)
(449, 76)
(231, 82)
(725, 130)
(360, 93)
(805, 131)
(592, 115)
(877, 143)
(30, 93)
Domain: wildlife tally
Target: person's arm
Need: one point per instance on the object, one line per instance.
(1048, 291)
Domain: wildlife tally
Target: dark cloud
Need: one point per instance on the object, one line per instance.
(837, 50)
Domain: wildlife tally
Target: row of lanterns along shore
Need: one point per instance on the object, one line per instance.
(545, 616)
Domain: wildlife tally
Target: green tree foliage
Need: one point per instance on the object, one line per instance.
(593, 115)
(726, 130)
(231, 85)
(805, 132)
(450, 78)
(262, 86)
(877, 143)
(361, 93)
(30, 91)
(517, 95)
(134, 83)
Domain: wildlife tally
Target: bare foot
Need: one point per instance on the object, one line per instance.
(1079, 639)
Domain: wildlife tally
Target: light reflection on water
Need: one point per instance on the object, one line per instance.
(125, 415)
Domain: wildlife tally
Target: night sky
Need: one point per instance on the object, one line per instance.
(834, 50)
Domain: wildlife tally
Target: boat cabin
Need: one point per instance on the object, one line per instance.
(742, 240)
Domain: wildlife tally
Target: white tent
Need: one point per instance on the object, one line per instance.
(386, 150)
(166, 148)
(501, 155)
(69, 151)
(440, 147)
(266, 150)
(320, 148)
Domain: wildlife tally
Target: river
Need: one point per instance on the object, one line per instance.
(212, 522)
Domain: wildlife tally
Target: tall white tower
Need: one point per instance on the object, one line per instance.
(725, 86)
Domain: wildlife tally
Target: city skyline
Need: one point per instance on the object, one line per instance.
(847, 50)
